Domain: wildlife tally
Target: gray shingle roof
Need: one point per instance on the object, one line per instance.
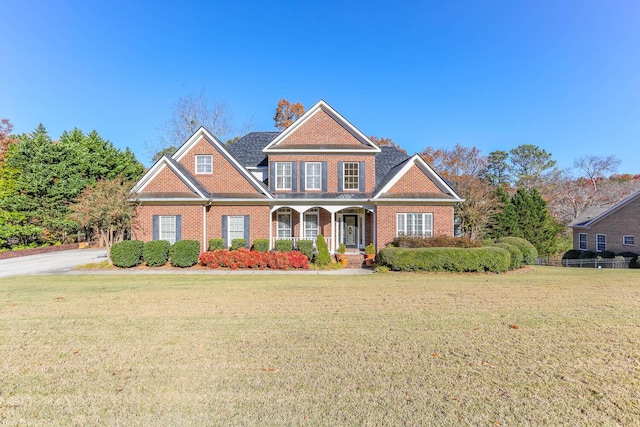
(248, 149)
(388, 161)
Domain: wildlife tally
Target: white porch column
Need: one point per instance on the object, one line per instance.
(270, 229)
(333, 232)
(375, 230)
(204, 247)
(301, 226)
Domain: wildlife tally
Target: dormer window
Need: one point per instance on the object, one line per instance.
(204, 164)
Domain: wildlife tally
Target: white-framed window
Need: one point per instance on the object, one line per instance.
(313, 175)
(236, 227)
(628, 240)
(601, 242)
(204, 164)
(414, 224)
(283, 175)
(311, 223)
(284, 223)
(351, 176)
(167, 229)
(582, 241)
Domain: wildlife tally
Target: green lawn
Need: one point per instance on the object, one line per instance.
(552, 347)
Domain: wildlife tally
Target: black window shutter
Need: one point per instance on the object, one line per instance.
(225, 234)
(340, 177)
(247, 231)
(272, 176)
(324, 177)
(178, 227)
(156, 227)
(303, 178)
(294, 177)
(361, 181)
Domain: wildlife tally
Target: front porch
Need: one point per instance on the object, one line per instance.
(352, 225)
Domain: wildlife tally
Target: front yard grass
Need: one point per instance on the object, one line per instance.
(552, 347)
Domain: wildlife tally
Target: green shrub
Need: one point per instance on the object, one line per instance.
(215, 244)
(607, 254)
(587, 255)
(529, 251)
(492, 259)
(517, 258)
(238, 243)
(571, 254)
(184, 253)
(442, 241)
(306, 247)
(127, 253)
(634, 258)
(284, 245)
(322, 257)
(156, 253)
(261, 245)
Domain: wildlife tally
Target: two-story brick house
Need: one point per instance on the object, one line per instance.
(319, 176)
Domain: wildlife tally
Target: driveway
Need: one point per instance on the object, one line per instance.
(51, 263)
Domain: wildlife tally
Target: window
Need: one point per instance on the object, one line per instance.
(167, 229)
(204, 164)
(311, 224)
(236, 228)
(414, 224)
(601, 242)
(313, 178)
(283, 176)
(582, 241)
(284, 223)
(628, 240)
(351, 177)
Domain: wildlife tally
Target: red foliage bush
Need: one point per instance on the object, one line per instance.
(244, 258)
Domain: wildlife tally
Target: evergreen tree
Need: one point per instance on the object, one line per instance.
(505, 222)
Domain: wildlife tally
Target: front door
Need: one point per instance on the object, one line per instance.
(350, 231)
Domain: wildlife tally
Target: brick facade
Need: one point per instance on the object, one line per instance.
(414, 180)
(192, 216)
(166, 180)
(386, 219)
(321, 129)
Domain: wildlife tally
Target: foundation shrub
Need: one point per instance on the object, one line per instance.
(156, 253)
(482, 259)
(516, 255)
(442, 241)
(634, 258)
(244, 258)
(306, 247)
(571, 254)
(607, 254)
(238, 243)
(261, 245)
(529, 251)
(127, 253)
(323, 257)
(587, 255)
(215, 244)
(284, 245)
(184, 253)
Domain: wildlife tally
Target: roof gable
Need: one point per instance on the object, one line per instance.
(170, 172)
(321, 129)
(588, 223)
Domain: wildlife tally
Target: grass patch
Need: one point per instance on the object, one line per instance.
(553, 347)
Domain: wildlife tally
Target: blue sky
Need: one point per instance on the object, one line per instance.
(564, 75)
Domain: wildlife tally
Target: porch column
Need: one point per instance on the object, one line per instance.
(375, 230)
(270, 229)
(204, 247)
(301, 227)
(333, 232)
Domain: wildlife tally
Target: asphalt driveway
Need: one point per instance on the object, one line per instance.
(51, 263)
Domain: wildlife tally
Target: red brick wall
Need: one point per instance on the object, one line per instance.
(166, 180)
(321, 128)
(332, 169)
(191, 221)
(386, 221)
(622, 222)
(225, 177)
(414, 181)
(258, 227)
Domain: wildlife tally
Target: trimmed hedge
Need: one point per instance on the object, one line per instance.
(441, 241)
(482, 259)
(261, 245)
(529, 251)
(184, 253)
(571, 254)
(127, 253)
(215, 244)
(517, 257)
(322, 257)
(156, 252)
(238, 243)
(243, 258)
(284, 245)
(306, 247)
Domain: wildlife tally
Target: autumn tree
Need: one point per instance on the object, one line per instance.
(596, 167)
(386, 142)
(287, 113)
(105, 210)
(5, 137)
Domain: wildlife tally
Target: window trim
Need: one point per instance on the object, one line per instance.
(311, 212)
(210, 164)
(307, 187)
(230, 219)
(348, 184)
(604, 243)
(630, 236)
(426, 231)
(161, 230)
(283, 176)
(284, 212)
(580, 241)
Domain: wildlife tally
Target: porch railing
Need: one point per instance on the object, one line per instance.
(295, 241)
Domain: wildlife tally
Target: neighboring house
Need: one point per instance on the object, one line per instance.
(319, 176)
(614, 229)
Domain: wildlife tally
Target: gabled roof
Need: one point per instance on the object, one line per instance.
(388, 159)
(588, 223)
(184, 175)
(366, 145)
(248, 149)
(401, 169)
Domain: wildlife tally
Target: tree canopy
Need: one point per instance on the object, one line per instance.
(287, 113)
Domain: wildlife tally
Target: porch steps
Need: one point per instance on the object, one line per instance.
(355, 260)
